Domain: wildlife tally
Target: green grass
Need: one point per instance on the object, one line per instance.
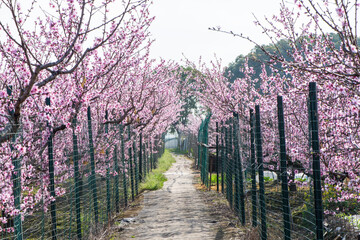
(268, 179)
(350, 219)
(178, 151)
(214, 180)
(155, 180)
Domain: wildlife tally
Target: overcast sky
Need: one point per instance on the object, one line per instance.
(181, 27)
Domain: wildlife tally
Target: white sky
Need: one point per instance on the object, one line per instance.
(181, 28)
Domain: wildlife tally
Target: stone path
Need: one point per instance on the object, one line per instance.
(177, 211)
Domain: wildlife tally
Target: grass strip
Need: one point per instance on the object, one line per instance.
(155, 180)
(178, 151)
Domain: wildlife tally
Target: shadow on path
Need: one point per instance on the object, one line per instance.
(177, 211)
(174, 212)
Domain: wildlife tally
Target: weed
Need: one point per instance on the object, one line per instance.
(178, 151)
(214, 180)
(155, 180)
(268, 179)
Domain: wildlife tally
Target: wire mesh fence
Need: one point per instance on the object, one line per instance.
(283, 202)
(87, 175)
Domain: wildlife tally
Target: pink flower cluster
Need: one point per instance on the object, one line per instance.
(80, 54)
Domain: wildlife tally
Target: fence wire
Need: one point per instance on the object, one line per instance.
(86, 177)
(275, 202)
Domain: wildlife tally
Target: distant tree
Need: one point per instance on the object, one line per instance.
(186, 93)
(187, 98)
(257, 57)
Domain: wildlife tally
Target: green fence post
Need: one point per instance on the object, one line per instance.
(202, 160)
(116, 184)
(155, 153)
(217, 156)
(71, 210)
(151, 156)
(143, 153)
(163, 144)
(51, 178)
(231, 166)
(227, 173)
(108, 193)
(200, 151)
(136, 169)
(121, 127)
(197, 161)
(16, 179)
(131, 167)
(205, 158)
(283, 170)
(222, 159)
(236, 172)
(92, 162)
(77, 181)
(199, 146)
(147, 155)
(261, 172)
(140, 159)
(310, 214)
(239, 171)
(146, 160)
(253, 170)
(314, 123)
(43, 210)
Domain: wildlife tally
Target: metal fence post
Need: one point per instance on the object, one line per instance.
(222, 159)
(116, 183)
(144, 160)
(310, 214)
(152, 156)
(239, 172)
(136, 170)
(217, 156)
(227, 167)
(92, 162)
(259, 155)
(231, 166)
(147, 155)
(200, 152)
(283, 170)
(131, 167)
(123, 165)
(108, 194)
(200, 148)
(16, 179)
(236, 170)
(253, 170)
(201, 158)
(77, 181)
(51, 178)
(140, 159)
(206, 151)
(314, 123)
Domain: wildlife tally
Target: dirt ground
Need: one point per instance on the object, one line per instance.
(182, 209)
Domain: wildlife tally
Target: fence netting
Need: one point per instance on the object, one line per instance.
(271, 193)
(88, 174)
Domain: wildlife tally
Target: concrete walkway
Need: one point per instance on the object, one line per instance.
(177, 211)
